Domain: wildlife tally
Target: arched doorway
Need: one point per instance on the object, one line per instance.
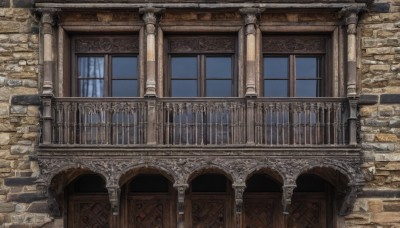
(209, 202)
(262, 205)
(88, 203)
(148, 200)
(312, 203)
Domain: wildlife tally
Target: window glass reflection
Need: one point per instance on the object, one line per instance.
(219, 88)
(124, 88)
(306, 88)
(218, 67)
(276, 88)
(124, 67)
(184, 88)
(276, 67)
(184, 67)
(306, 67)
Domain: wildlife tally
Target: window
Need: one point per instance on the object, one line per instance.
(294, 66)
(201, 66)
(106, 66)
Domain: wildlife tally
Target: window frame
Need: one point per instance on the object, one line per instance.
(323, 53)
(107, 55)
(201, 56)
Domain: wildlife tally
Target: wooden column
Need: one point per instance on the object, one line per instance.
(350, 16)
(47, 32)
(181, 188)
(250, 20)
(150, 20)
(239, 190)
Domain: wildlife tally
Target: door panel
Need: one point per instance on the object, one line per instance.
(208, 213)
(90, 212)
(263, 211)
(308, 212)
(146, 213)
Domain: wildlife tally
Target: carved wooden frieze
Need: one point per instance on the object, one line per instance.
(201, 44)
(294, 44)
(106, 44)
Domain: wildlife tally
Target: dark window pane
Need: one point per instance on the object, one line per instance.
(306, 88)
(184, 88)
(184, 67)
(124, 67)
(276, 88)
(209, 183)
(124, 88)
(218, 67)
(90, 184)
(276, 67)
(149, 183)
(90, 67)
(262, 183)
(219, 88)
(306, 67)
(91, 88)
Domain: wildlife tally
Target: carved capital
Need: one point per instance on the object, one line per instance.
(150, 15)
(239, 190)
(353, 103)
(47, 20)
(250, 15)
(287, 197)
(114, 197)
(350, 17)
(181, 188)
(349, 199)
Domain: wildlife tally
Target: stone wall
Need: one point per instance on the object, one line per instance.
(20, 204)
(379, 205)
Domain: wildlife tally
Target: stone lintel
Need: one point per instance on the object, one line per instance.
(368, 99)
(33, 99)
(390, 99)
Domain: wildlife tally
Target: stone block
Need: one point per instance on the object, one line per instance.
(23, 3)
(386, 137)
(9, 27)
(391, 206)
(20, 149)
(386, 217)
(375, 206)
(392, 165)
(38, 207)
(4, 138)
(368, 99)
(394, 123)
(18, 109)
(30, 83)
(7, 207)
(390, 99)
(14, 82)
(387, 157)
(25, 197)
(379, 68)
(19, 181)
(380, 50)
(33, 99)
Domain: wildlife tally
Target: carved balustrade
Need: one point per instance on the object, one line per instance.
(200, 121)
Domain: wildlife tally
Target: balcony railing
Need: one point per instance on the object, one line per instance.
(199, 121)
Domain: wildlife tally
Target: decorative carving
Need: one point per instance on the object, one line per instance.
(287, 197)
(349, 199)
(94, 214)
(150, 14)
(208, 213)
(293, 44)
(250, 15)
(105, 45)
(148, 213)
(239, 190)
(114, 196)
(201, 44)
(181, 197)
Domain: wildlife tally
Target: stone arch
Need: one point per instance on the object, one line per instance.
(209, 168)
(344, 170)
(130, 172)
(276, 174)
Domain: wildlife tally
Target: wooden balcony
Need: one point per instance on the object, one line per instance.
(206, 122)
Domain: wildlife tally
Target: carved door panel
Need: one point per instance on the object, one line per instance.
(90, 212)
(262, 211)
(308, 212)
(209, 212)
(153, 212)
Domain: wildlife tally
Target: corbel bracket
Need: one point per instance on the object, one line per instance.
(114, 197)
(350, 198)
(287, 197)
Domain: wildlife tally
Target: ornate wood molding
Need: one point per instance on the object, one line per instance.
(201, 44)
(182, 169)
(106, 45)
(294, 44)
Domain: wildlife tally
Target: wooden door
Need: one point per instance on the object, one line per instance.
(308, 210)
(150, 211)
(89, 211)
(262, 210)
